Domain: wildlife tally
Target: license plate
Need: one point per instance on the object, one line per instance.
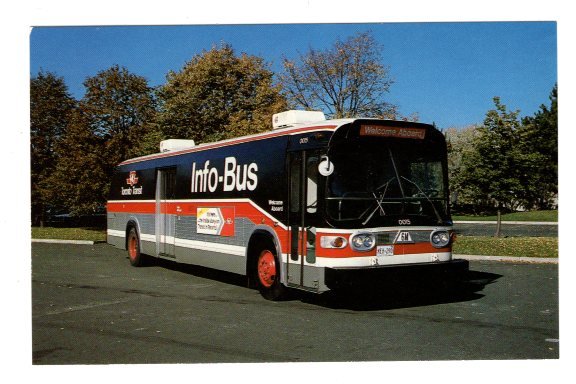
(385, 250)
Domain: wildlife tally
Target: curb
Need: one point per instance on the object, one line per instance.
(511, 259)
(76, 242)
(509, 222)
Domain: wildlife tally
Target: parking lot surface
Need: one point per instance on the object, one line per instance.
(91, 307)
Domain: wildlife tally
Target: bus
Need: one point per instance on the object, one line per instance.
(312, 204)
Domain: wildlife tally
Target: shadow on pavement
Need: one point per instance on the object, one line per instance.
(405, 293)
(393, 292)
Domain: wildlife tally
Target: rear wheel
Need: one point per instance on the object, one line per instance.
(133, 245)
(268, 274)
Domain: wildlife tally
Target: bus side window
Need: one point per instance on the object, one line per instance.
(312, 184)
(169, 180)
(295, 167)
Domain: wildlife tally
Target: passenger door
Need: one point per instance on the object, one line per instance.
(165, 212)
(303, 205)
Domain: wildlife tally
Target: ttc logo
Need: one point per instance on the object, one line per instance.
(132, 179)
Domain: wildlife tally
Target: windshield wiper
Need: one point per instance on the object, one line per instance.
(396, 172)
(378, 201)
(427, 198)
(381, 199)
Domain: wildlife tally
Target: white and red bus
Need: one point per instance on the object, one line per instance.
(310, 205)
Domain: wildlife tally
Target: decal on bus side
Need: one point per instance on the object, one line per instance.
(237, 177)
(132, 180)
(215, 221)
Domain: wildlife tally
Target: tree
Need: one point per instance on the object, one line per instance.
(79, 181)
(51, 107)
(219, 95)
(346, 80)
(104, 130)
(491, 171)
(505, 163)
(460, 143)
(539, 141)
(120, 108)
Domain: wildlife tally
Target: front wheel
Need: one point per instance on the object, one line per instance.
(268, 275)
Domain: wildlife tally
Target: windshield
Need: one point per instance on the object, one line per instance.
(380, 182)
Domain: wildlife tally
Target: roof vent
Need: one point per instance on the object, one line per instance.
(175, 145)
(291, 118)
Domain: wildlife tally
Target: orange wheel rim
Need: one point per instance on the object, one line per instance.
(132, 247)
(267, 268)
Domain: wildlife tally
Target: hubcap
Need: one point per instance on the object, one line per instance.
(267, 268)
(132, 247)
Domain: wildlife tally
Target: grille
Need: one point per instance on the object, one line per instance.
(388, 237)
(384, 238)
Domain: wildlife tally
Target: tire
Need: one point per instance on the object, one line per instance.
(267, 274)
(133, 246)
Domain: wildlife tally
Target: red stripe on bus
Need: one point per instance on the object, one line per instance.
(131, 207)
(407, 249)
(336, 253)
(244, 209)
(399, 250)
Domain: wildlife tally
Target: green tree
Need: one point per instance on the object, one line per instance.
(120, 108)
(79, 181)
(106, 128)
(539, 142)
(346, 80)
(219, 95)
(460, 143)
(51, 107)
(491, 171)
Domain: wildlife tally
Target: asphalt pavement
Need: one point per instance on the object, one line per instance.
(89, 306)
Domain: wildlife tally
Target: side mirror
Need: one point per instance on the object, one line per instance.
(325, 167)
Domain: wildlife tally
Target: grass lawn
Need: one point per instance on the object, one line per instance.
(549, 216)
(92, 234)
(507, 246)
(464, 245)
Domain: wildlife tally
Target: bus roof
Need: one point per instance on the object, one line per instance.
(326, 125)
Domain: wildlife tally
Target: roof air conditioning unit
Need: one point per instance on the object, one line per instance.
(175, 145)
(291, 118)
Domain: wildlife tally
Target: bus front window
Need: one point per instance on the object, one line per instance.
(376, 182)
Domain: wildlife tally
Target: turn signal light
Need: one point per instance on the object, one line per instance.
(333, 242)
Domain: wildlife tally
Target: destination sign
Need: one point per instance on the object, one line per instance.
(399, 132)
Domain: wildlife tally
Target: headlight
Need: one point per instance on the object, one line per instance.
(333, 242)
(369, 242)
(440, 238)
(363, 241)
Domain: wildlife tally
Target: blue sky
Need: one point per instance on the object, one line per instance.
(448, 73)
